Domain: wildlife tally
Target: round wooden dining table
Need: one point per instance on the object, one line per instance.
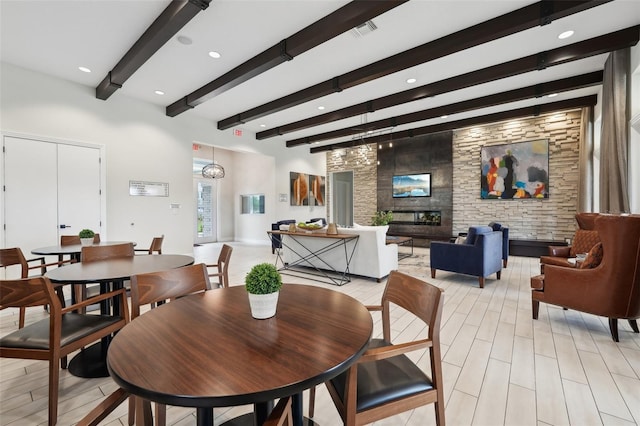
(110, 274)
(72, 250)
(206, 350)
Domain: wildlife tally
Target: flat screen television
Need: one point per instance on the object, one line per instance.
(408, 186)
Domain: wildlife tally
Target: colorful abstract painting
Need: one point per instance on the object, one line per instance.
(515, 171)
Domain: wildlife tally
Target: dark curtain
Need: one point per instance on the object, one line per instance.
(614, 197)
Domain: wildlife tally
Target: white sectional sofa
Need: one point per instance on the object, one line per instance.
(372, 256)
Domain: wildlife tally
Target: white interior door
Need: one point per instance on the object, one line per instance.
(31, 194)
(47, 185)
(78, 189)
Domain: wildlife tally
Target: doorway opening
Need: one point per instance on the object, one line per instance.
(342, 198)
(205, 199)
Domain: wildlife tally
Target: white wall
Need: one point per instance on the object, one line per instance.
(142, 143)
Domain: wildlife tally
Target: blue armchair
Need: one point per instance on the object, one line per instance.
(276, 242)
(505, 241)
(480, 255)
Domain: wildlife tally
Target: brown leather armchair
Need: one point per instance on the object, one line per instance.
(611, 289)
(584, 239)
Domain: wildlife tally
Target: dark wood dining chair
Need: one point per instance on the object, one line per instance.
(97, 253)
(222, 266)
(385, 381)
(70, 240)
(14, 256)
(155, 247)
(157, 287)
(63, 332)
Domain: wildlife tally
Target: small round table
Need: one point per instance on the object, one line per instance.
(91, 361)
(72, 250)
(206, 350)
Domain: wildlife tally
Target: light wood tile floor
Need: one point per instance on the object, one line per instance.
(500, 366)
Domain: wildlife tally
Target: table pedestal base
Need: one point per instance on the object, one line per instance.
(248, 420)
(90, 363)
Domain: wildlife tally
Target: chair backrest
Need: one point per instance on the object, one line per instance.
(620, 266)
(223, 265)
(156, 245)
(160, 286)
(22, 293)
(69, 240)
(422, 299)
(93, 253)
(13, 256)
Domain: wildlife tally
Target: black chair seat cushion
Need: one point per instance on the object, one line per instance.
(74, 327)
(385, 380)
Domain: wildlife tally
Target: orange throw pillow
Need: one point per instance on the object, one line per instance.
(594, 257)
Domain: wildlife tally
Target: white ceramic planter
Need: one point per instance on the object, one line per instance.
(263, 306)
(86, 241)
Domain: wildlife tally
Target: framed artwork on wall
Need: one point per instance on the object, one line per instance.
(515, 171)
(306, 190)
(316, 185)
(299, 188)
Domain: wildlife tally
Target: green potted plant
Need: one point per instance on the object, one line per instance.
(382, 218)
(86, 237)
(263, 284)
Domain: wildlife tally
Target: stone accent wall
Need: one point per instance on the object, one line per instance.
(548, 219)
(363, 163)
(542, 219)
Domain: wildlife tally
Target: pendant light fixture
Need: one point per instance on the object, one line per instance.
(213, 170)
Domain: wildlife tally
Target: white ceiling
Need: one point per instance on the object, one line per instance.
(58, 36)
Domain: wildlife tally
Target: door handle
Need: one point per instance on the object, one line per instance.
(65, 226)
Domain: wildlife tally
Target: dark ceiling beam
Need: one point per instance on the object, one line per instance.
(535, 91)
(170, 21)
(540, 13)
(530, 111)
(584, 49)
(347, 17)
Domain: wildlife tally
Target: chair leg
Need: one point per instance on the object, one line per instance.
(132, 410)
(613, 326)
(634, 326)
(433, 273)
(504, 263)
(312, 402)
(54, 379)
(21, 316)
(535, 308)
(498, 274)
(161, 415)
(481, 281)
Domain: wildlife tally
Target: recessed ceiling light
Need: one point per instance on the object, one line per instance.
(263, 125)
(411, 80)
(214, 55)
(184, 40)
(444, 116)
(84, 69)
(565, 34)
(320, 107)
(552, 95)
(159, 92)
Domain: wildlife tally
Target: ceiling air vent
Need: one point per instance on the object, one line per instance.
(364, 29)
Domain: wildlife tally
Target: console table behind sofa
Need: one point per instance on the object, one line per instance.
(372, 257)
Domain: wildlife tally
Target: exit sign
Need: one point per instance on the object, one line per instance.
(237, 132)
